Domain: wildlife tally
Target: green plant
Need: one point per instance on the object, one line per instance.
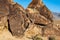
(37, 38)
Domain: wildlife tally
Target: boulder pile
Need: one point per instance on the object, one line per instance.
(35, 19)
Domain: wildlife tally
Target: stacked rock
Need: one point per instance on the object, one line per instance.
(20, 19)
(4, 11)
(39, 13)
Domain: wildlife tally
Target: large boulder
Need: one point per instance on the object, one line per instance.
(3, 23)
(36, 18)
(17, 20)
(4, 11)
(42, 9)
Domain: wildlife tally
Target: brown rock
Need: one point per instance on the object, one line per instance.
(51, 31)
(41, 8)
(4, 9)
(36, 18)
(33, 30)
(17, 19)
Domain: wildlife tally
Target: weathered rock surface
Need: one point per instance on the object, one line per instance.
(41, 8)
(4, 11)
(3, 23)
(33, 30)
(51, 31)
(17, 19)
(35, 20)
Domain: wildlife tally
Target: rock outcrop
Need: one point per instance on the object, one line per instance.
(4, 11)
(42, 9)
(15, 15)
(35, 20)
(51, 31)
(17, 20)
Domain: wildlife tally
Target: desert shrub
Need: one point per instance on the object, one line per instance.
(37, 38)
(51, 38)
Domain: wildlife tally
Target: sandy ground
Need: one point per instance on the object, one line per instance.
(56, 21)
(6, 35)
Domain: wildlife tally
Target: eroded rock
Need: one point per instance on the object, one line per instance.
(17, 19)
(36, 18)
(42, 9)
(33, 30)
(4, 11)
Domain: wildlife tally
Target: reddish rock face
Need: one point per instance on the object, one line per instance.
(36, 18)
(35, 3)
(4, 9)
(17, 19)
(42, 9)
